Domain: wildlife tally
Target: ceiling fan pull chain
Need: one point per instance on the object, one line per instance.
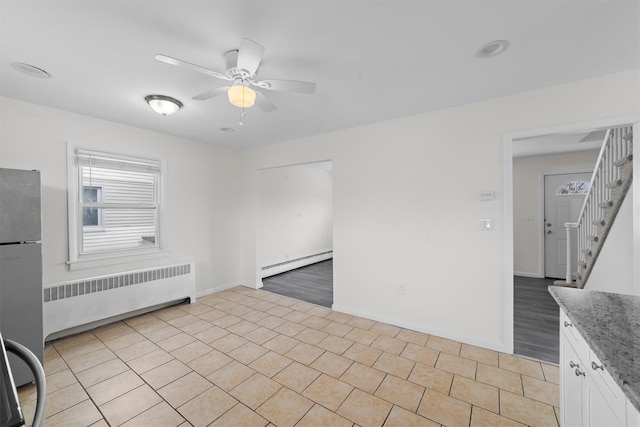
(241, 122)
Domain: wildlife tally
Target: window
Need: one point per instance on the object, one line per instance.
(573, 188)
(114, 206)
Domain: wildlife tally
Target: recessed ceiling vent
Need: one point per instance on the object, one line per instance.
(30, 70)
(491, 49)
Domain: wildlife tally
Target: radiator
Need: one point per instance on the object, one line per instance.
(292, 264)
(84, 301)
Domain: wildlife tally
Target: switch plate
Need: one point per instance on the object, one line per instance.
(487, 195)
(486, 224)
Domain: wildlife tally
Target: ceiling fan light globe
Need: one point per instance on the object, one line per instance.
(241, 96)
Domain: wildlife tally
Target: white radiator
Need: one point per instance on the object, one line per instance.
(72, 304)
(292, 264)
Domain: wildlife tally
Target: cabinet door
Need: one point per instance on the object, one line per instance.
(598, 413)
(633, 415)
(570, 385)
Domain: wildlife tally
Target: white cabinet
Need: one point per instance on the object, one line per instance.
(570, 385)
(588, 394)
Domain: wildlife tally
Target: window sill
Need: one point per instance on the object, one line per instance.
(100, 261)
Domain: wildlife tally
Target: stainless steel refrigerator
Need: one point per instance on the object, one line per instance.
(21, 266)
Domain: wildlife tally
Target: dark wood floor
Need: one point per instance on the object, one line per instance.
(313, 283)
(536, 316)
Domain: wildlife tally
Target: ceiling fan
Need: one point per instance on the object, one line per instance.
(242, 65)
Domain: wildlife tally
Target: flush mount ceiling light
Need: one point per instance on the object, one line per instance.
(31, 70)
(240, 95)
(162, 104)
(493, 48)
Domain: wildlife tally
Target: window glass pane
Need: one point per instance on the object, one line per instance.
(123, 229)
(90, 217)
(90, 194)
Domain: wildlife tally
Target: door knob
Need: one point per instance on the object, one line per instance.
(548, 224)
(549, 231)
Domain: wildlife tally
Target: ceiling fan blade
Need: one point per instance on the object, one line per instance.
(189, 65)
(249, 56)
(211, 93)
(264, 103)
(287, 86)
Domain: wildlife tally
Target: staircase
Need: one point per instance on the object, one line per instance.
(609, 185)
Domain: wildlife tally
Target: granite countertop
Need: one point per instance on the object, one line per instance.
(610, 323)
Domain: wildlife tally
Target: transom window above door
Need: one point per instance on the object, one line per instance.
(573, 188)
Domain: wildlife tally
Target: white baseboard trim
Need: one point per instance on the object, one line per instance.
(220, 288)
(527, 274)
(285, 266)
(501, 347)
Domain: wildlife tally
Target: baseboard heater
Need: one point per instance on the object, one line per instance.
(86, 301)
(292, 264)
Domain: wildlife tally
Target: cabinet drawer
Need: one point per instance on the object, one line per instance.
(573, 336)
(602, 380)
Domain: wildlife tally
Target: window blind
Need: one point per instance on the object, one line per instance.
(112, 161)
(126, 203)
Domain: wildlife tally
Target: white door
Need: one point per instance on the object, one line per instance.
(562, 203)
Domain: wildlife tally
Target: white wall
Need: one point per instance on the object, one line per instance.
(613, 270)
(202, 194)
(296, 213)
(527, 200)
(406, 208)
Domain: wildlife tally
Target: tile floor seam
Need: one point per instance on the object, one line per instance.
(386, 374)
(150, 386)
(142, 385)
(500, 410)
(83, 388)
(305, 414)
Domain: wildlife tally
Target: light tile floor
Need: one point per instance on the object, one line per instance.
(246, 357)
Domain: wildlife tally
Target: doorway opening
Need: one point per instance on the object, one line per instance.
(296, 231)
(549, 173)
(312, 283)
(522, 261)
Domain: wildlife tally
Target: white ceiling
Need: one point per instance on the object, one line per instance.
(559, 143)
(372, 60)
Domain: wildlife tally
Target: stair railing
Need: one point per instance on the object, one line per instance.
(606, 176)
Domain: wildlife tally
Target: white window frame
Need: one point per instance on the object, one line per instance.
(75, 220)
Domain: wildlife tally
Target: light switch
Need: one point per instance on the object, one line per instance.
(486, 224)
